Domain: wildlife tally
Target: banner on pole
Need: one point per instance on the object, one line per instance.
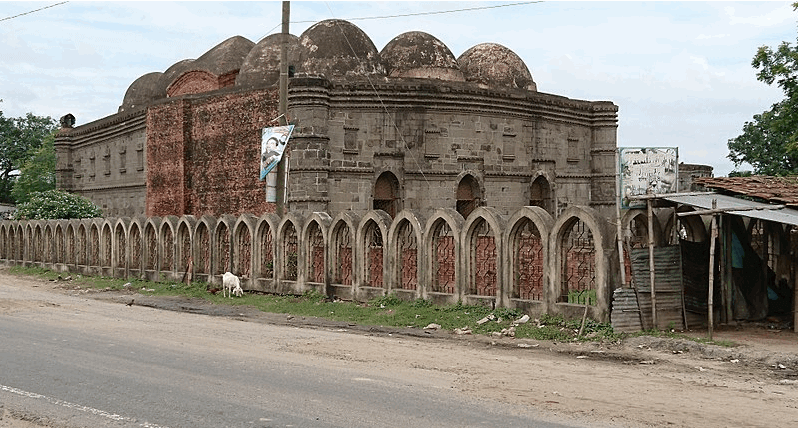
(272, 146)
(644, 168)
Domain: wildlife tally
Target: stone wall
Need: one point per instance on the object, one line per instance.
(106, 162)
(526, 260)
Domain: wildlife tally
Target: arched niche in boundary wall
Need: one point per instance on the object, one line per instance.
(287, 265)
(313, 252)
(371, 255)
(482, 250)
(243, 242)
(264, 252)
(342, 264)
(405, 252)
(582, 256)
(442, 282)
(526, 253)
(202, 254)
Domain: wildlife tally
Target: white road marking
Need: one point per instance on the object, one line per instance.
(74, 406)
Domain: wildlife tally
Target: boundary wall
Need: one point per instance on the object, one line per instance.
(527, 260)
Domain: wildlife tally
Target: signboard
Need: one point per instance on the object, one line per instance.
(272, 146)
(644, 168)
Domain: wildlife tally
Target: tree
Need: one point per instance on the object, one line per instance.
(56, 204)
(17, 137)
(770, 142)
(37, 173)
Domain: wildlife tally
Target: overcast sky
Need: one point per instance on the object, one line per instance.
(680, 72)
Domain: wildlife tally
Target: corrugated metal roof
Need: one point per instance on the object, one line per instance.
(704, 201)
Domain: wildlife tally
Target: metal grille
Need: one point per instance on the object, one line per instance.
(49, 247)
(343, 262)
(444, 260)
(222, 249)
(243, 253)
(483, 260)
(528, 262)
(203, 265)
(408, 257)
(69, 249)
(579, 265)
(168, 255)
(59, 246)
(373, 255)
(80, 246)
(107, 247)
(315, 262)
(10, 245)
(290, 253)
(94, 258)
(152, 248)
(266, 253)
(121, 247)
(184, 240)
(135, 247)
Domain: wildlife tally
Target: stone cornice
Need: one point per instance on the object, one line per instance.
(463, 97)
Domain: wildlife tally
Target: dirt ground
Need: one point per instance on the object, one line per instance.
(640, 382)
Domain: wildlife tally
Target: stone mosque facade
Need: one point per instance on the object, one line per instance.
(408, 127)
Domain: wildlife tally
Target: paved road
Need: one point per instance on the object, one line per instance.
(84, 363)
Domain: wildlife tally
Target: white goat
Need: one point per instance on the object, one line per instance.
(231, 285)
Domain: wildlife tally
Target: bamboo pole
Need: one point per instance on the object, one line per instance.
(676, 237)
(731, 209)
(710, 308)
(650, 209)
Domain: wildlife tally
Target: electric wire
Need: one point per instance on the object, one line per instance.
(437, 12)
(32, 11)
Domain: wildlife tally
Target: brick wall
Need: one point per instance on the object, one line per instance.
(204, 154)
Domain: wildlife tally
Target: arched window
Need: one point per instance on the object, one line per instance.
(386, 194)
(540, 195)
(468, 195)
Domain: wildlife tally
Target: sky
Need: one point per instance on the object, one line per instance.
(680, 72)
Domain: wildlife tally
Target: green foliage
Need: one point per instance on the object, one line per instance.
(582, 297)
(56, 204)
(18, 137)
(37, 173)
(770, 142)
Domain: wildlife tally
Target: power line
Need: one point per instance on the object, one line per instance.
(32, 11)
(439, 12)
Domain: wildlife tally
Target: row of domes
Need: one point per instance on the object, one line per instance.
(333, 48)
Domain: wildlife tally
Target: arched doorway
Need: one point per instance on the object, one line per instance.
(386, 194)
(468, 195)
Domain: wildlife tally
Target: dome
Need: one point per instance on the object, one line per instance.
(494, 65)
(142, 91)
(226, 57)
(173, 72)
(418, 54)
(338, 48)
(261, 67)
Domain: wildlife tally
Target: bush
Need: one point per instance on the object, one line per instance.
(56, 204)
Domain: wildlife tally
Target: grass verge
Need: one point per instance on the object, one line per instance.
(384, 311)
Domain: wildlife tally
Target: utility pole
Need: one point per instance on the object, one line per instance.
(282, 167)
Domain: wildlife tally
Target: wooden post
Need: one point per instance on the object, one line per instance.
(710, 308)
(650, 207)
(618, 224)
(795, 304)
